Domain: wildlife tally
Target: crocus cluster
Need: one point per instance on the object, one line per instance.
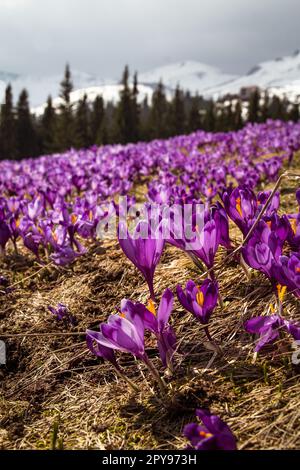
(52, 205)
(125, 332)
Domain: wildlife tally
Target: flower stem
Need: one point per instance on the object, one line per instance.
(129, 382)
(156, 376)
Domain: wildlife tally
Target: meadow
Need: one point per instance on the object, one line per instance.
(113, 342)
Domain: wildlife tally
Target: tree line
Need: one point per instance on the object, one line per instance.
(84, 124)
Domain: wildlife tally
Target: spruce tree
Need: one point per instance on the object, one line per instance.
(49, 128)
(82, 124)
(158, 128)
(238, 119)
(123, 116)
(294, 113)
(97, 121)
(210, 117)
(26, 137)
(135, 110)
(195, 121)
(65, 131)
(7, 127)
(177, 113)
(253, 114)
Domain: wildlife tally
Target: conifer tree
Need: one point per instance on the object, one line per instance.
(195, 121)
(158, 128)
(97, 121)
(65, 131)
(49, 128)
(237, 117)
(7, 127)
(123, 115)
(177, 113)
(210, 118)
(82, 124)
(26, 137)
(294, 113)
(135, 109)
(253, 114)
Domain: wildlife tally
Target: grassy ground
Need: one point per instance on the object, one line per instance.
(55, 394)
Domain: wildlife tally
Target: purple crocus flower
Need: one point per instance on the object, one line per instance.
(143, 249)
(201, 242)
(241, 206)
(263, 249)
(268, 328)
(120, 334)
(273, 207)
(155, 322)
(213, 434)
(99, 350)
(4, 235)
(62, 313)
(199, 300)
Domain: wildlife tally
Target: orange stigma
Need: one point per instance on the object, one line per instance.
(205, 434)
(269, 224)
(200, 297)
(73, 219)
(238, 206)
(151, 307)
(293, 223)
(281, 292)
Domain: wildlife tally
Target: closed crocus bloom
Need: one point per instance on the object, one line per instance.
(218, 213)
(121, 334)
(213, 434)
(273, 207)
(241, 206)
(263, 249)
(144, 251)
(155, 321)
(199, 300)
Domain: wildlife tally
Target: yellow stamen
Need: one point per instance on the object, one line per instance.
(238, 206)
(272, 308)
(18, 223)
(90, 216)
(209, 191)
(281, 292)
(122, 314)
(151, 307)
(293, 223)
(269, 224)
(200, 298)
(205, 434)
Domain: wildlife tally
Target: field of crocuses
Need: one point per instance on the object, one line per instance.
(150, 292)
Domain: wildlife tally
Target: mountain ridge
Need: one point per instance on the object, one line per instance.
(280, 76)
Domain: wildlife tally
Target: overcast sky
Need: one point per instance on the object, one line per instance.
(100, 36)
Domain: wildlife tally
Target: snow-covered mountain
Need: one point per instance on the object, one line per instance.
(192, 76)
(280, 76)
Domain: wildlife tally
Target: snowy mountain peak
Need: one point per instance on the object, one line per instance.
(280, 76)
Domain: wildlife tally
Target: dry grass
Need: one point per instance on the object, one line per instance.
(51, 382)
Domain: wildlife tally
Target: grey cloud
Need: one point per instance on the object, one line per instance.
(100, 36)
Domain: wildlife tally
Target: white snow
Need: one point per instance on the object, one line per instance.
(279, 76)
